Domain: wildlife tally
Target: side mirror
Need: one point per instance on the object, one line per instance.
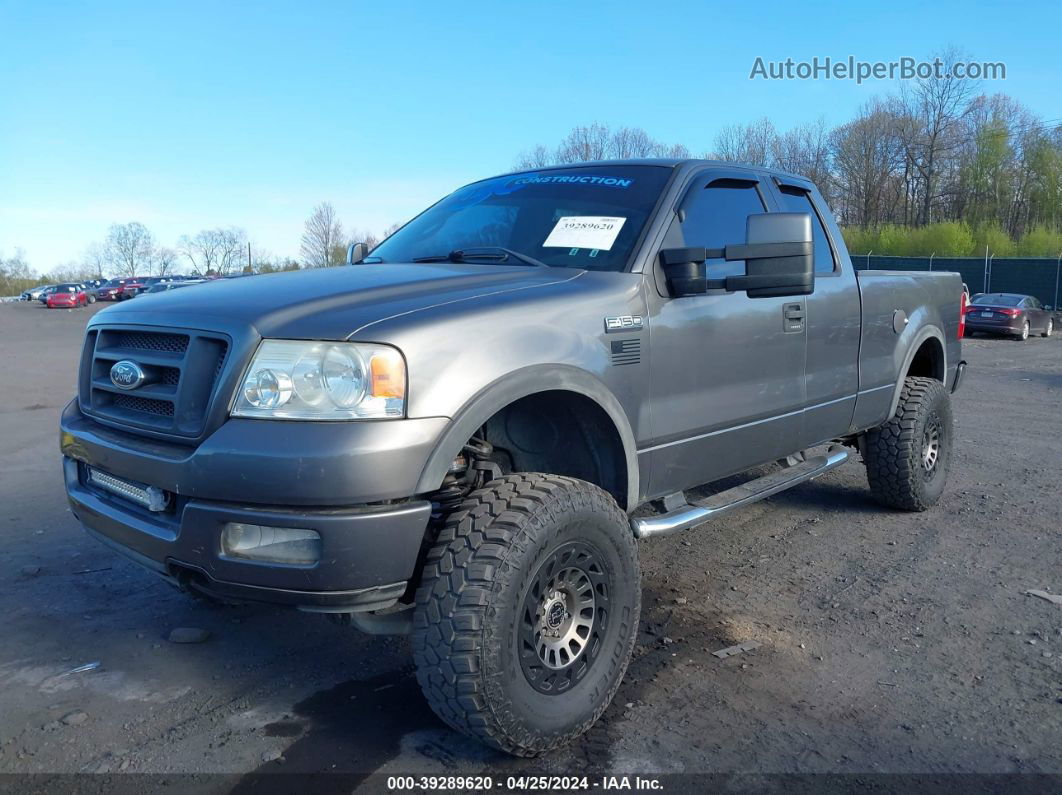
(778, 254)
(357, 252)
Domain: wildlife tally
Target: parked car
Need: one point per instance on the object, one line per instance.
(131, 287)
(161, 287)
(47, 291)
(68, 296)
(89, 292)
(93, 286)
(34, 293)
(112, 290)
(149, 282)
(450, 439)
(1009, 313)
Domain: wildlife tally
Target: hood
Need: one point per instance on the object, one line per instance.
(328, 303)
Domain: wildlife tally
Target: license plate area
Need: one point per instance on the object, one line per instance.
(150, 498)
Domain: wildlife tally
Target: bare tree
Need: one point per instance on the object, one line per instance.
(585, 143)
(804, 149)
(164, 261)
(322, 238)
(95, 260)
(15, 273)
(129, 248)
(232, 249)
(746, 143)
(866, 161)
(934, 108)
(200, 250)
(599, 142)
(70, 272)
(214, 250)
(538, 157)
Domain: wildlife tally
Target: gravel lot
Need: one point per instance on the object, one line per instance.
(900, 643)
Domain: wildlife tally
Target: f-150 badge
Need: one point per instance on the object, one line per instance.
(623, 323)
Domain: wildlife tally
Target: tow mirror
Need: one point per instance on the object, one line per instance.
(357, 252)
(778, 254)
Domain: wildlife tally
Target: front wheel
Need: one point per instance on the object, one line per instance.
(527, 612)
(908, 457)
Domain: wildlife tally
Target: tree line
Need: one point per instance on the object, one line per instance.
(130, 249)
(936, 166)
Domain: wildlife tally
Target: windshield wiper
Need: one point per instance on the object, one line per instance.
(495, 253)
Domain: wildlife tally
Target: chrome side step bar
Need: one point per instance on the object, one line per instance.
(692, 514)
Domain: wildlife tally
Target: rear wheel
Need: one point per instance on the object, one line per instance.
(527, 612)
(1049, 328)
(1024, 331)
(908, 457)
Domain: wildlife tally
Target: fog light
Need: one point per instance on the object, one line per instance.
(291, 545)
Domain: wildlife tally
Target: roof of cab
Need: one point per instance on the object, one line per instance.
(686, 163)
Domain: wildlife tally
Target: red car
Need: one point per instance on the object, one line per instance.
(130, 287)
(112, 290)
(68, 296)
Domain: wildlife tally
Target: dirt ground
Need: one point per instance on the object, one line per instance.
(888, 642)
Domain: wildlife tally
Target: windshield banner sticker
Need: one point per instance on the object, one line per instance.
(585, 231)
(573, 179)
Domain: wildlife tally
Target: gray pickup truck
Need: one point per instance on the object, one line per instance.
(463, 435)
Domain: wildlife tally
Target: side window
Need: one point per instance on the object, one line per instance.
(716, 218)
(795, 200)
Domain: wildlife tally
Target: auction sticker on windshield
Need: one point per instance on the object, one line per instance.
(585, 231)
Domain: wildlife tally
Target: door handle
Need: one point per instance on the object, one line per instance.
(793, 318)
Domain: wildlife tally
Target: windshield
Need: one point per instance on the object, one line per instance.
(999, 300)
(587, 217)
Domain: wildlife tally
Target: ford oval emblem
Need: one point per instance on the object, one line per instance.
(127, 375)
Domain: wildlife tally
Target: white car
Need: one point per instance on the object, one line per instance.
(34, 293)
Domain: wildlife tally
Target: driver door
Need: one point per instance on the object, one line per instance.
(727, 386)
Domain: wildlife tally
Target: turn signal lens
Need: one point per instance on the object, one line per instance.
(388, 375)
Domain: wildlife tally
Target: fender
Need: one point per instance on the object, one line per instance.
(520, 384)
(923, 334)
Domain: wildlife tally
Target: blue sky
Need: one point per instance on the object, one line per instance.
(190, 115)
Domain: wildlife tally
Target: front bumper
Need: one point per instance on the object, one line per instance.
(270, 473)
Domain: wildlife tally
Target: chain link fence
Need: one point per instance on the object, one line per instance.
(1025, 275)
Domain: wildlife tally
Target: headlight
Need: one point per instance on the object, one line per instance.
(290, 379)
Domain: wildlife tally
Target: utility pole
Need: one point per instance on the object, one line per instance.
(248, 255)
(1058, 264)
(984, 283)
(931, 260)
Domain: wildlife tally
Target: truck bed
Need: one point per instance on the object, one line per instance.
(900, 311)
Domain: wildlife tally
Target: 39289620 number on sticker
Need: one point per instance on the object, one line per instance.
(585, 231)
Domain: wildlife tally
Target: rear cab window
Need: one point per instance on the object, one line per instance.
(798, 200)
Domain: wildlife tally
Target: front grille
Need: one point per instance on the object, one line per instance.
(163, 408)
(181, 374)
(146, 341)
